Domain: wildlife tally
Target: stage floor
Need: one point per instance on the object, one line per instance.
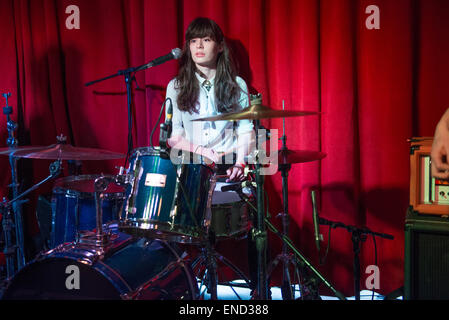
(240, 292)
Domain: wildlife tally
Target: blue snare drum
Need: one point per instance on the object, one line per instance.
(140, 269)
(73, 207)
(168, 200)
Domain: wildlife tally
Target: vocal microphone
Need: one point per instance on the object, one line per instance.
(174, 54)
(315, 220)
(237, 186)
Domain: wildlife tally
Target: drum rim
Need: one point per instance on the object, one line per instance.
(75, 252)
(177, 233)
(58, 189)
(156, 151)
(146, 151)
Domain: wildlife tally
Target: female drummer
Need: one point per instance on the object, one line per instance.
(207, 85)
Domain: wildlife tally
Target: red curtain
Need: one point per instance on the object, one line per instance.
(375, 88)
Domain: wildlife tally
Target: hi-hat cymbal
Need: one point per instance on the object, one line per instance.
(60, 151)
(286, 156)
(256, 112)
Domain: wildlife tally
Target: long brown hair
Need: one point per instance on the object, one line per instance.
(227, 91)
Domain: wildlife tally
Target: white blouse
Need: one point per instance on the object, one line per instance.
(217, 135)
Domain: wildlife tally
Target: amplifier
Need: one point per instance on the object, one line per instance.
(426, 262)
(426, 259)
(427, 194)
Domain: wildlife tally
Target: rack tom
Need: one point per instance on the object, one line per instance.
(167, 200)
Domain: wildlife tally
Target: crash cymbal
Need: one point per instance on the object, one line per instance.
(61, 151)
(8, 151)
(256, 112)
(287, 156)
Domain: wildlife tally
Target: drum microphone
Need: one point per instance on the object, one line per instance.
(136, 175)
(165, 130)
(238, 186)
(315, 220)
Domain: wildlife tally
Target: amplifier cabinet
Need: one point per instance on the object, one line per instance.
(426, 262)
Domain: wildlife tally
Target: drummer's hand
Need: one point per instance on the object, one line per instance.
(440, 149)
(210, 154)
(236, 173)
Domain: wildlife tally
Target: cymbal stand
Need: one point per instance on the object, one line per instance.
(208, 262)
(16, 221)
(259, 233)
(285, 257)
(8, 220)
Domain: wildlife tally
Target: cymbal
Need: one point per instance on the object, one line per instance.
(287, 156)
(256, 112)
(60, 151)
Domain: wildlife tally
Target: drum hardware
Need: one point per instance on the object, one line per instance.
(99, 241)
(14, 219)
(73, 207)
(9, 220)
(129, 77)
(315, 279)
(284, 166)
(205, 267)
(256, 112)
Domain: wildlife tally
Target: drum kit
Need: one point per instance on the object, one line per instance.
(120, 235)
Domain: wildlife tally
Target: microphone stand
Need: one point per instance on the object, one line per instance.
(129, 77)
(316, 278)
(357, 236)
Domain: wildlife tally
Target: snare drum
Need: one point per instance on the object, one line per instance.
(140, 269)
(229, 214)
(73, 207)
(168, 200)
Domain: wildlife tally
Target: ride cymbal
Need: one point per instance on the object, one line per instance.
(257, 112)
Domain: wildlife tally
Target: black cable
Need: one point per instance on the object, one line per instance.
(158, 120)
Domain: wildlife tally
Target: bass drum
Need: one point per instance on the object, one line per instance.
(140, 269)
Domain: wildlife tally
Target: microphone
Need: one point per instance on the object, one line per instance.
(168, 119)
(237, 186)
(136, 175)
(315, 220)
(174, 54)
(165, 130)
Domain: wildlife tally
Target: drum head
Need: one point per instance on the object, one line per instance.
(48, 280)
(132, 269)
